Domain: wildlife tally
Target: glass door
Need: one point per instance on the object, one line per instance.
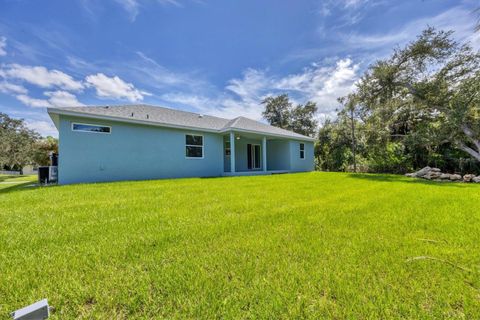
(253, 156)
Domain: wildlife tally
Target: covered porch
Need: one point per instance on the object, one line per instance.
(255, 154)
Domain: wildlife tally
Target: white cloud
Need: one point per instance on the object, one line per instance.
(45, 128)
(106, 87)
(33, 102)
(321, 84)
(3, 45)
(55, 99)
(62, 99)
(326, 7)
(41, 76)
(458, 19)
(114, 87)
(159, 76)
(131, 7)
(7, 87)
(371, 46)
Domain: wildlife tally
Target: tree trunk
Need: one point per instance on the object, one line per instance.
(476, 142)
(470, 151)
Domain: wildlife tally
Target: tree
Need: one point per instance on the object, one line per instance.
(280, 112)
(430, 89)
(16, 142)
(42, 149)
(332, 150)
(349, 108)
(277, 111)
(303, 119)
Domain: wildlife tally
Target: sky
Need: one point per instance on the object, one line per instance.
(216, 57)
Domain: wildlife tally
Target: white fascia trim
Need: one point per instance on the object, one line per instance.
(268, 134)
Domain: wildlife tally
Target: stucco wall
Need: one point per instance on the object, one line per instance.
(278, 155)
(132, 152)
(297, 164)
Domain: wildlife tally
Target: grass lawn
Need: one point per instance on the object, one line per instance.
(9, 182)
(310, 245)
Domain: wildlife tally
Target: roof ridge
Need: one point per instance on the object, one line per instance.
(235, 120)
(231, 123)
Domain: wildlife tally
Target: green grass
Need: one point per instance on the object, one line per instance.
(13, 182)
(310, 245)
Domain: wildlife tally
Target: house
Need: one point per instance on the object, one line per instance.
(137, 142)
(30, 169)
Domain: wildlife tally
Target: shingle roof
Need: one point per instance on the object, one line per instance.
(176, 118)
(247, 124)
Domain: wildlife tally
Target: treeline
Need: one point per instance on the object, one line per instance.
(21, 146)
(419, 107)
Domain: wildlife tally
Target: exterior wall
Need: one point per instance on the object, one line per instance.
(278, 155)
(297, 164)
(241, 161)
(132, 152)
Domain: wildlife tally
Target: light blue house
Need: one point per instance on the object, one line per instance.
(138, 142)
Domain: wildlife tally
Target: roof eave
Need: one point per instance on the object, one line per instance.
(303, 138)
(121, 119)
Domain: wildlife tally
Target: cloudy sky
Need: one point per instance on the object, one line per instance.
(210, 56)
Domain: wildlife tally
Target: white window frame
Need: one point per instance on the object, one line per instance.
(91, 124)
(301, 151)
(193, 145)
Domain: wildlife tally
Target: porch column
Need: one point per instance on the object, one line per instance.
(264, 153)
(232, 152)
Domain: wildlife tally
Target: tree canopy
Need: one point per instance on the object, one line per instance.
(20, 146)
(419, 106)
(280, 112)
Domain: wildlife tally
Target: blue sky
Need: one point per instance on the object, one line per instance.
(209, 56)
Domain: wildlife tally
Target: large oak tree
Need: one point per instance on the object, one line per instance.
(428, 90)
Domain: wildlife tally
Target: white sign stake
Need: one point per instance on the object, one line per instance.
(37, 311)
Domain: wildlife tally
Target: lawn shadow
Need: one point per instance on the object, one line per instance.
(403, 179)
(4, 177)
(23, 186)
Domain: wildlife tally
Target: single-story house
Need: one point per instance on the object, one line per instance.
(137, 142)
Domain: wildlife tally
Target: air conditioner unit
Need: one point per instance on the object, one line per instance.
(47, 174)
(52, 174)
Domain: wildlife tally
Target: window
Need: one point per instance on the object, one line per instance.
(193, 146)
(90, 128)
(302, 150)
(227, 149)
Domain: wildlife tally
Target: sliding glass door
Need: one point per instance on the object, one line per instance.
(253, 156)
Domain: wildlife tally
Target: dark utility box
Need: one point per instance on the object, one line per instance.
(43, 173)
